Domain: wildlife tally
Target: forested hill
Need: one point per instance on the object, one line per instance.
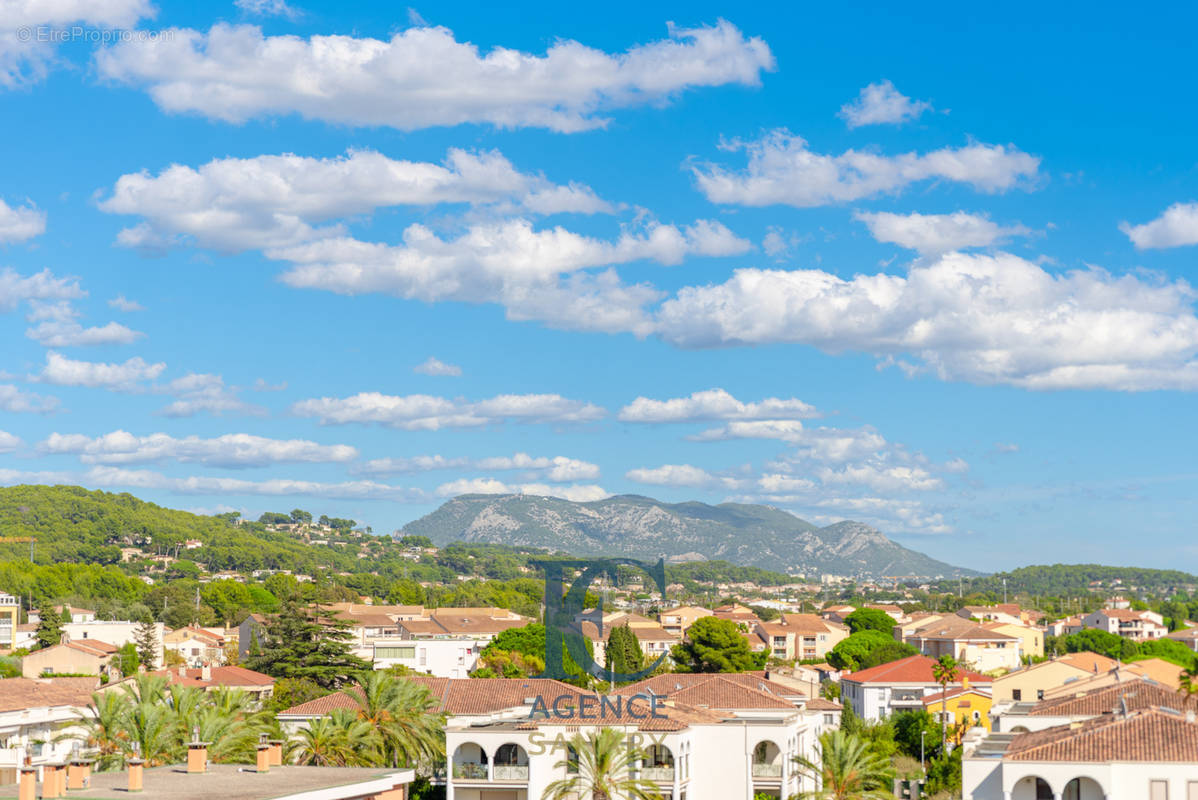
(1073, 579)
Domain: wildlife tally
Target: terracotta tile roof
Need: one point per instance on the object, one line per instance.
(726, 695)
(822, 704)
(1159, 670)
(93, 646)
(367, 619)
(806, 623)
(19, 694)
(460, 696)
(221, 676)
(954, 627)
(1136, 695)
(672, 717)
(1148, 735)
(1184, 635)
(670, 684)
(912, 669)
(958, 691)
(1090, 662)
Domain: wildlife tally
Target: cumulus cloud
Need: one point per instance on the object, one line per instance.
(22, 222)
(682, 476)
(69, 333)
(128, 376)
(121, 303)
(117, 477)
(714, 404)
(229, 450)
(577, 494)
(558, 469)
(430, 413)
(267, 8)
(25, 59)
(196, 393)
(1177, 227)
(934, 234)
(783, 170)
(16, 289)
(528, 271)
(881, 104)
(436, 367)
(17, 401)
(235, 204)
(8, 442)
(424, 77)
(987, 319)
(882, 478)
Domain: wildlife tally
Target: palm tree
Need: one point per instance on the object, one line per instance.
(104, 729)
(944, 671)
(600, 766)
(847, 770)
(152, 728)
(404, 715)
(338, 740)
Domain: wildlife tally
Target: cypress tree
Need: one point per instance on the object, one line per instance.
(49, 628)
(299, 643)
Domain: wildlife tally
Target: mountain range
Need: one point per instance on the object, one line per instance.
(641, 527)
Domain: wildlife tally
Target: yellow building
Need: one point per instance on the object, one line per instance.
(10, 615)
(965, 707)
(1033, 638)
(1038, 681)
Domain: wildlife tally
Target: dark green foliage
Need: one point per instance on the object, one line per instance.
(127, 659)
(274, 518)
(49, 628)
(145, 641)
(869, 647)
(908, 725)
(765, 614)
(870, 619)
(715, 645)
(297, 643)
(1072, 579)
(1168, 650)
(1108, 644)
(301, 517)
(415, 541)
(891, 651)
(944, 773)
(291, 692)
(623, 653)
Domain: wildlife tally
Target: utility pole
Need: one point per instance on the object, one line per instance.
(1004, 591)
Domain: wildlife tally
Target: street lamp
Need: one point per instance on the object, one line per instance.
(922, 763)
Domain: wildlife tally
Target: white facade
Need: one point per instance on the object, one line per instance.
(873, 701)
(38, 733)
(996, 779)
(114, 633)
(453, 657)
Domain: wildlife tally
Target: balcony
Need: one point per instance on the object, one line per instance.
(767, 770)
(658, 774)
(470, 771)
(511, 772)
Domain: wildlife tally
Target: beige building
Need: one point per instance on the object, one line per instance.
(1033, 638)
(84, 657)
(1039, 680)
(677, 620)
(967, 642)
(800, 637)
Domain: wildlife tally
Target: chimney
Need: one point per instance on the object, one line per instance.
(206, 672)
(135, 770)
(964, 681)
(79, 773)
(183, 671)
(53, 780)
(28, 783)
(263, 756)
(276, 752)
(197, 754)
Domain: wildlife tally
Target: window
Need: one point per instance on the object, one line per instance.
(1192, 790)
(395, 652)
(1039, 694)
(1158, 790)
(829, 719)
(1016, 694)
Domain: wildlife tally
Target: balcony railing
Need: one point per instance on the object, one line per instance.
(767, 770)
(511, 772)
(470, 771)
(658, 774)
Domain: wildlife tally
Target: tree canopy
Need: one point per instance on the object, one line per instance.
(715, 645)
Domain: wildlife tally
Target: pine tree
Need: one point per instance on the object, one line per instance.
(298, 643)
(623, 652)
(49, 628)
(145, 639)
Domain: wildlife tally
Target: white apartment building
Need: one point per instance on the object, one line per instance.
(34, 715)
(1139, 626)
(444, 657)
(114, 633)
(880, 691)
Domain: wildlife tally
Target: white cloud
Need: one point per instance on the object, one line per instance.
(881, 104)
(577, 494)
(436, 367)
(120, 303)
(681, 476)
(1177, 227)
(882, 479)
(714, 404)
(526, 270)
(267, 8)
(987, 319)
(16, 401)
(782, 169)
(16, 289)
(124, 377)
(199, 392)
(934, 234)
(1006, 447)
(22, 222)
(558, 469)
(426, 412)
(235, 204)
(229, 450)
(8, 442)
(61, 333)
(25, 55)
(116, 477)
(423, 77)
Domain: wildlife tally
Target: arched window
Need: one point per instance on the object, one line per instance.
(507, 755)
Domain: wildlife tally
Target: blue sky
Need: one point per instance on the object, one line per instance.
(927, 272)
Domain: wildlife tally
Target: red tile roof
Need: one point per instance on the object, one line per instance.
(1135, 695)
(1149, 735)
(912, 669)
(221, 676)
(21, 694)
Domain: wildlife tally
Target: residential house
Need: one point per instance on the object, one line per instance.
(1139, 626)
(1064, 627)
(196, 646)
(1187, 636)
(76, 614)
(800, 637)
(1032, 638)
(212, 678)
(900, 685)
(1150, 754)
(656, 642)
(894, 612)
(742, 615)
(677, 620)
(114, 632)
(837, 613)
(34, 715)
(1130, 693)
(446, 644)
(1009, 613)
(967, 642)
(10, 617)
(1030, 683)
(960, 708)
(84, 657)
